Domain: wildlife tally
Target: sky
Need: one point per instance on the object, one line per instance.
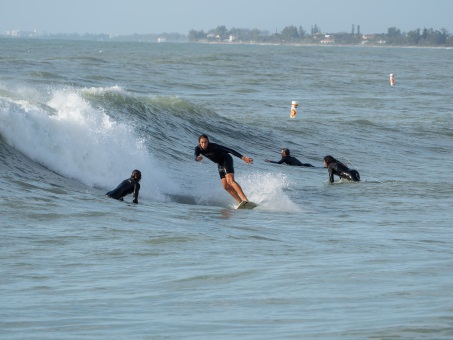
(124, 17)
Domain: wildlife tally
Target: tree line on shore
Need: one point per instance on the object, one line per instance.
(289, 35)
(297, 35)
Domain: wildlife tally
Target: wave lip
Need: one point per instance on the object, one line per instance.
(76, 140)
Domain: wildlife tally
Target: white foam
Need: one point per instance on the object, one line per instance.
(268, 191)
(80, 142)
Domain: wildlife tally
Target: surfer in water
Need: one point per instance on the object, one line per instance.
(126, 187)
(221, 155)
(289, 160)
(335, 167)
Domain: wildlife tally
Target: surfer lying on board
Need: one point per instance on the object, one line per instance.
(335, 167)
(221, 155)
(126, 187)
(290, 160)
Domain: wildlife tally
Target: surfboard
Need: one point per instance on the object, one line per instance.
(246, 205)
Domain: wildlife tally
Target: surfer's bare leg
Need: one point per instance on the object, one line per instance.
(233, 188)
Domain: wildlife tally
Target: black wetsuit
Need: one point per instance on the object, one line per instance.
(126, 187)
(219, 154)
(342, 171)
(290, 160)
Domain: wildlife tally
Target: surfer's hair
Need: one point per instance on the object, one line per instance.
(136, 174)
(203, 136)
(329, 160)
(286, 151)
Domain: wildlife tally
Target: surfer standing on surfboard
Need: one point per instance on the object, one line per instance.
(221, 155)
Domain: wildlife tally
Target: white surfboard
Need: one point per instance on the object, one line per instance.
(246, 205)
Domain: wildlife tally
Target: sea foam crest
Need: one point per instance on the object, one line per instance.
(78, 141)
(268, 191)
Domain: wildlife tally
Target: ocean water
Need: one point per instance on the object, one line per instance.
(368, 260)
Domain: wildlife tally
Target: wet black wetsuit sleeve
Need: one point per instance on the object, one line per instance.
(287, 160)
(136, 190)
(290, 160)
(215, 152)
(197, 152)
(279, 162)
(331, 173)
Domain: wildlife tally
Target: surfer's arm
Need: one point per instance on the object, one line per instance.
(331, 172)
(231, 151)
(197, 153)
(248, 160)
(136, 190)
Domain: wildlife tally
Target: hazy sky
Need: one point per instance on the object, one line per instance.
(150, 16)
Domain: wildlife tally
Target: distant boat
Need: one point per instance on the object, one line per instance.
(159, 40)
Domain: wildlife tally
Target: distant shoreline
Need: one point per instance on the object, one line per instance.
(318, 45)
(204, 42)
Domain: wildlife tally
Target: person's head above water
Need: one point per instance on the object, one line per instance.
(329, 160)
(137, 175)
(203, 141)
(285, 152)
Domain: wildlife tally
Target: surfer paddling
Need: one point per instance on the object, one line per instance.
(335, 167)
(289, 160)
(126, 187)
(221, 155)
